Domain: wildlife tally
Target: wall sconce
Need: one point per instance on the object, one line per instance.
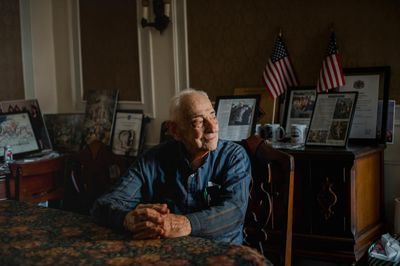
(161, 10)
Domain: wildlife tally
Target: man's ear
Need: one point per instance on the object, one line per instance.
(173, 130)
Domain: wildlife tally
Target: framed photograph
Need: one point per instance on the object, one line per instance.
(236, 116)
(65, 131)
(127, 132)
(32, 106)
(332, 118)
(99, 116)
(16, 130)
(372, 86)
(299, 106)
(266, 105)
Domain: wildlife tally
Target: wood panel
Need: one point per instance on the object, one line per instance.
(109, 47)
(12, 83)
(2, 188)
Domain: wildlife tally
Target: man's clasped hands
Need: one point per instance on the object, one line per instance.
(150, 221)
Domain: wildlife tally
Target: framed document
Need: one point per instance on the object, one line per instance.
(299, 105)
(236, 116)
(372, 86)
(331, 120)
(16, 130)
(127, 132)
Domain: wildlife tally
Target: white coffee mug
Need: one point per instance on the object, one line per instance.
(272, 132)
(298, 133)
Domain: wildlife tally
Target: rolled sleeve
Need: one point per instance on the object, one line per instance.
(111, 208)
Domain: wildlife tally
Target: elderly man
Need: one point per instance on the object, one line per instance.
(194, 185)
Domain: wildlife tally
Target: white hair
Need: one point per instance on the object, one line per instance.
(176, 102)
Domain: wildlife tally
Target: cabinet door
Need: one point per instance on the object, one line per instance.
(330, 192)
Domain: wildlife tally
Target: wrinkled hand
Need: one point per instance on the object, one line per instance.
(145, 220)
(148, 221)
(175, 225)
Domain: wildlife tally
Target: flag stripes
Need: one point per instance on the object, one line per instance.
(278, 73)
(331, 73)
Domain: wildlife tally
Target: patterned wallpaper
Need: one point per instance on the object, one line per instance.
(230, 40)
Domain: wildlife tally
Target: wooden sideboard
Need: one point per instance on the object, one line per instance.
(338, 202)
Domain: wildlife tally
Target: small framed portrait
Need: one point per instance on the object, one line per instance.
(127, 132)
(16, 130)
(332, 118)
(236, 116)
(299, 105)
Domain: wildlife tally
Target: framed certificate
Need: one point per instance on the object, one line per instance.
(332, 118)
(236, 116)
(127, 132)
(372, 86)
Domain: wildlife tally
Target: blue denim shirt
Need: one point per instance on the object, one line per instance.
(163, 175)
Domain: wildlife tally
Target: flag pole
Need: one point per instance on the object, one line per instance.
(274, 106)
(273, 111)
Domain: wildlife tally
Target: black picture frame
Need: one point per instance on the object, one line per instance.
(299, 106)
(332, 118)
(127, 133)
(17, 131)
(237, 116)
(65, 131)
(372, 83)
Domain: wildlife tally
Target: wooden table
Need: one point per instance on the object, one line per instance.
(34, 235)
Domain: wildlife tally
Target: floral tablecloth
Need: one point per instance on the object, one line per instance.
(33, 235)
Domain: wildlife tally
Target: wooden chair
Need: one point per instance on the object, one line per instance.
(91, 172)
(269, 217)
(37, 181)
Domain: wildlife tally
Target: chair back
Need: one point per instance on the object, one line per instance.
(91, 172)
(37, 181)
(269, 217)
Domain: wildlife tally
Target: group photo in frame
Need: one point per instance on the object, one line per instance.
(372, 84)
(17, 131)
(127, 132)
(236, 116)
(299, 106)
(332, 118)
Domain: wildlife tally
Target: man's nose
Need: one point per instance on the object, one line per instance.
(211, 124)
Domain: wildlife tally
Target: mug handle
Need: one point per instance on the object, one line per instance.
(280, 133)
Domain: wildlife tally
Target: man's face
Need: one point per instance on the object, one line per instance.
(197, 127)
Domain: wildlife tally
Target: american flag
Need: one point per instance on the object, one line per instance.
(331, 74)
(278, 74)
